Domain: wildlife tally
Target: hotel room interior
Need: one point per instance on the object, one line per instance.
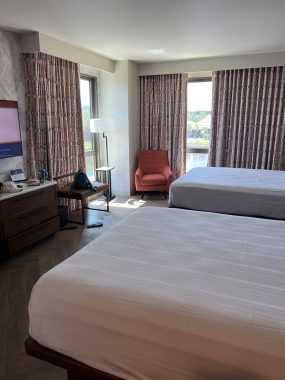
(142, 190)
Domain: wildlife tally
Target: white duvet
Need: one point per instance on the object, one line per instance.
(249, 192)
(171, 294)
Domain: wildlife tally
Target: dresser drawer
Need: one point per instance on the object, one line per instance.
(32, 235)
(29, 218)
(28, 201)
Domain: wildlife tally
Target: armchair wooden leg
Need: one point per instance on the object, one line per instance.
(142, 195)
(165, 194)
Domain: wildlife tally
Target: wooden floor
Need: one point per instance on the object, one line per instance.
(19, 274)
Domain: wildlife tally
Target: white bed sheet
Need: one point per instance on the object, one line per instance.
(171, 294)
(250, 192)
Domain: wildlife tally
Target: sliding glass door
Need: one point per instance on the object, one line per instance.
(199, 104)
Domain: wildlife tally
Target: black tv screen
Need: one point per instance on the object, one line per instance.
(10, 132)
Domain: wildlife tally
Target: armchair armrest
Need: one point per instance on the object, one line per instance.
(138, 178)
(168, 174)
(139, 173)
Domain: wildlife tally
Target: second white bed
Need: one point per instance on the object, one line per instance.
(250, 192)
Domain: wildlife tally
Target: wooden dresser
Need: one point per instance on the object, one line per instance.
(27, 217)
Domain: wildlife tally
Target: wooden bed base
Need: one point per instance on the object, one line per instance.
(75, 369)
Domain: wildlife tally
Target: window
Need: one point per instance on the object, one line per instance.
(88, 104)
(199, 104)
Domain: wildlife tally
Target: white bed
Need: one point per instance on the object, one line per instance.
(171, 294)
(250, 192)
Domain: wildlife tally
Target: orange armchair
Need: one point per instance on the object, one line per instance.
(153, 172)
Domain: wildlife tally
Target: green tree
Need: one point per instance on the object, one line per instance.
(197, 116)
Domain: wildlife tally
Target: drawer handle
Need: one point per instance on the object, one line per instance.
(29, 196)
(32, 212)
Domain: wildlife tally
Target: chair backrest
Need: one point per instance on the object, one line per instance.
(153, 161)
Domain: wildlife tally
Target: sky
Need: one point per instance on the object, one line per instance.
(199, 96)
(84, 92)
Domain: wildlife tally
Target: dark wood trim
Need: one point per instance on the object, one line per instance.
(8, 103)
(75, 369)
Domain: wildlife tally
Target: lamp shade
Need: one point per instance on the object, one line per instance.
(101, 125)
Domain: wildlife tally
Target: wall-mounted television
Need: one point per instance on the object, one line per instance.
(10, 131)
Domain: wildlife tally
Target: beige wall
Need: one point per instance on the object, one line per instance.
(35, 41)
(113, 103)
(213, 64)
(119, 99)
(134, 121)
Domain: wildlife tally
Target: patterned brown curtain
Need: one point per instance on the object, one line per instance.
(54, 119)
(248, 118)
(164, 117)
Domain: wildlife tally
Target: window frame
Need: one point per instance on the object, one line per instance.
(193, 80)
(93, 112)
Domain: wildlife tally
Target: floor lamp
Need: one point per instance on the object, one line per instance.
(102, 126)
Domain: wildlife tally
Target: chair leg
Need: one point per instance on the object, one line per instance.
(165, 194)
(83, 211)
(142, 195)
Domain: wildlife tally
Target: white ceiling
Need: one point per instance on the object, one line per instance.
(129, 29)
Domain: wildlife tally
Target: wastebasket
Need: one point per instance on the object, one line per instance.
(62, 213)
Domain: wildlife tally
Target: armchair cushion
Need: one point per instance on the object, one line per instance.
(154, 179)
